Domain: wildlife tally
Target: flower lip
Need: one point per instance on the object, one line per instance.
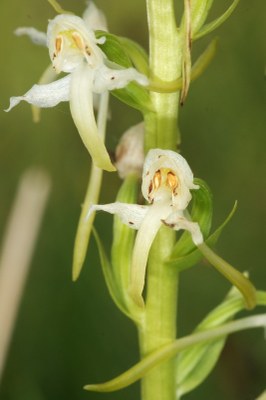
(70, 41)
(167, 173)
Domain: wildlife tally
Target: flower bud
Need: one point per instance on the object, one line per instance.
(129, 153)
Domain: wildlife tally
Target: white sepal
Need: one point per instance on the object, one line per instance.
(37, 37)
(45, 95)
(131, 215)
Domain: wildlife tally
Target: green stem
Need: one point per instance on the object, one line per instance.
(165, 65)
(158, 326)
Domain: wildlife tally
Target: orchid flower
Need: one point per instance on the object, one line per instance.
(73, 49)
(166, 183)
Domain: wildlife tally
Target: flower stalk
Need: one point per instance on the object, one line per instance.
(165, 66)
(159, 323)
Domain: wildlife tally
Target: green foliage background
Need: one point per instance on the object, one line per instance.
(68, 334)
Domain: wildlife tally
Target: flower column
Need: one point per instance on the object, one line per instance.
(159, 323)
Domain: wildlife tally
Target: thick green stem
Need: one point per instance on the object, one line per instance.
(165, 65)
(158, 326)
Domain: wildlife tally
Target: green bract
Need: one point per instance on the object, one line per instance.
(211, 330)
(202, 213)
(208, 28)
(123, 239)
(199, 14)
(185, 254)
(195, 363)
(188, 260)
(126, 53)
(117, 271)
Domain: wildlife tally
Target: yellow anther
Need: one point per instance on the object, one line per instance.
(157, 179)
(172, 180)
(58, 44)
(78, 41)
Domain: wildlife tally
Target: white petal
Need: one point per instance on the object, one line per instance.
(131, 215)
(37, 37)
(177, 221)
(157, 159)
(81, 106)
(94, 18)
(144, 239)
(45, 95)
(109, 79)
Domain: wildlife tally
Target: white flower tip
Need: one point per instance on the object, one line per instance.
(130, 151)
(14, 101)
(19, 31)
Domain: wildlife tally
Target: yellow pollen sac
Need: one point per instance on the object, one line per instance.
(58, 44)
(78, 41)
(157, 179)
(164, 177)
(172, 180)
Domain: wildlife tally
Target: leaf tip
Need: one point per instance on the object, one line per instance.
(76, 270)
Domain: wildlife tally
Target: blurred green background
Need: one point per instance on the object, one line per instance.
(70, 334)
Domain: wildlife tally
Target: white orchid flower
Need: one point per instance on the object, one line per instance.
(166, 184)
(73, 49)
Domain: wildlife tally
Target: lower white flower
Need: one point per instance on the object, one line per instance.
(166, 183)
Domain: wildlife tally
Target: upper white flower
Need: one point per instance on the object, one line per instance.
(166, 183)
(73, 49)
